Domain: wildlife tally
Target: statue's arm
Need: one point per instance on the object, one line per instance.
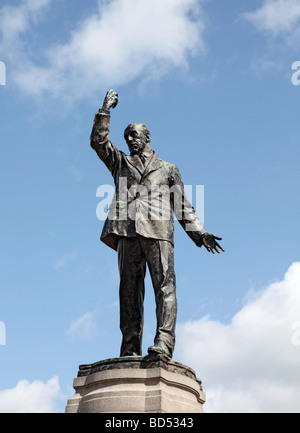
(187, 217)
(183, 209)
(100, 141)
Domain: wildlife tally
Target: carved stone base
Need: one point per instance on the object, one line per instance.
(150, 384)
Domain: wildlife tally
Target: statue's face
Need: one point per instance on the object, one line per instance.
(136, 139)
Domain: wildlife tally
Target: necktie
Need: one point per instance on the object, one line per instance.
(142, 158)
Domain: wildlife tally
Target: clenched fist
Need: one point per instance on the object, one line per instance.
(111, 100)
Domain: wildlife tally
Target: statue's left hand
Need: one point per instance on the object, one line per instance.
(211, 244)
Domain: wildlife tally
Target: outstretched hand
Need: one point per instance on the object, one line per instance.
(211, 244)
(111, 100)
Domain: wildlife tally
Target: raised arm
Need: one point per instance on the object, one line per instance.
(100, 141)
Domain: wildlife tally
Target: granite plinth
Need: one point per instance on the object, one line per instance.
(150, 384)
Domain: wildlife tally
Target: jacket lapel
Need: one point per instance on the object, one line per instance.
(136, 163)
(153, 164)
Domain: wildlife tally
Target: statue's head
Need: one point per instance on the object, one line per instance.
(137, 137)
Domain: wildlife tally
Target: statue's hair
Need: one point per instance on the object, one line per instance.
(143, 128)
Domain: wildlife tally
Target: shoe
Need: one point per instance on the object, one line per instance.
(160, 349)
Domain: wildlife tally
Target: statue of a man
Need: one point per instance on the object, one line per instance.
(145, 236)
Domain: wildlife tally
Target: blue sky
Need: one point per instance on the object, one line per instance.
(212, 80)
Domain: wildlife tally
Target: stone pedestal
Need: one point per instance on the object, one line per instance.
(150, 384)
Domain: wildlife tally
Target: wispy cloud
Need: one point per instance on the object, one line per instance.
(75, 173)
(276, 17)
(278, 21)
(16, 20)
(123, 40)
(84, 326)
(253, 363)
(63, 261)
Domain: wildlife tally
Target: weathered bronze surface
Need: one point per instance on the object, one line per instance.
(139, 362)
(140, 227)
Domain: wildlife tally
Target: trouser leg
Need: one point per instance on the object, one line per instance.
(160, 260)
(132, 268)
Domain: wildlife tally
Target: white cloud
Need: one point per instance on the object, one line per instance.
(124, 40)
(16, 20)
(253, 363)
(276, 16)
(279, 22)
(84, 326)
(64, 261)
(34, 397)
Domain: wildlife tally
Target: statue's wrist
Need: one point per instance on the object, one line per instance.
(104, 110)
(200, 240)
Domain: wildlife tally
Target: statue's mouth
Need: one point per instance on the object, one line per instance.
(134, 147)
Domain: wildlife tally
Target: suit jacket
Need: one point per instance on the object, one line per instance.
(146, 196)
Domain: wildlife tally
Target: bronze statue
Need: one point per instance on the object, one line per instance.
(140, 227)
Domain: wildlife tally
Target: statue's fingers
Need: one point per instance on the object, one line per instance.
(207, 247)
(115, 102)
(219, 246)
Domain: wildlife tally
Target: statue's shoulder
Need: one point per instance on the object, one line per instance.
(171, 166)
(172, 170)
(168, 165)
